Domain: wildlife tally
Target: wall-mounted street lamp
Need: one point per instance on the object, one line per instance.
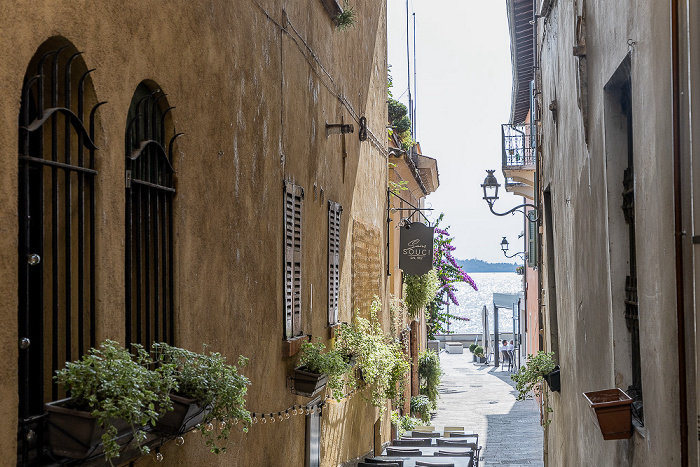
(490, 187)
(504, 248)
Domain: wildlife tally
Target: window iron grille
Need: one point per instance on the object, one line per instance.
(56, 206)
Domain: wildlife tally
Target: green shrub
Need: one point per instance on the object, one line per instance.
(396, 110)
(419, 291)
(479, 351)
(429, 374)
(421, 406)
(472, 347)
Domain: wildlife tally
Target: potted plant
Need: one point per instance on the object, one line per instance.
(472, 347)
(613, 410)
(380, 357)
(208, 390)
(320, 368)
(479, 352)
(553, 379)
(429, 374)
(419, 291)
(421, 407)
(402, 424)
(114, 396)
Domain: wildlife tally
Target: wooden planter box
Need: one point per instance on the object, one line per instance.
(613, 411)
(186, 414)
(76, 434)
(308, 384)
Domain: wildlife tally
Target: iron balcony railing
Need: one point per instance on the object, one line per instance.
(519, 143)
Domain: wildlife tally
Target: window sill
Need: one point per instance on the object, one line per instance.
(333, 330)
(291, 347)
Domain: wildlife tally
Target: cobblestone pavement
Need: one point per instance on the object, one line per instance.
(482, 399)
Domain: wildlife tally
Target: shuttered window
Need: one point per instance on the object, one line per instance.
(334, 212)
(532, 244)
(293, 210)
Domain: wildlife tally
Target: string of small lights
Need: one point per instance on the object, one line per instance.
(299, 409)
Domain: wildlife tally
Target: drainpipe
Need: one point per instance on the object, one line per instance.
(678, 219)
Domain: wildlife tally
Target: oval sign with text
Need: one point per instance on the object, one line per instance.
(416, 249)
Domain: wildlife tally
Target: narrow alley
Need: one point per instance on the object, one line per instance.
(482, 399)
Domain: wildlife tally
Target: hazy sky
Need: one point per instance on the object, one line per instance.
(463, 97)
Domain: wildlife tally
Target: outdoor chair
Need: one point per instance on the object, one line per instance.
(373, 461)
(385, 464)
(434, 464)
(403, 452)
(423, 434)
(453, 428)
(472, 442)
(424, 428)
(412, 442)
(454, 453)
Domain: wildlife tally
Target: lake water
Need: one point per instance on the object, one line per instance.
(471, 302)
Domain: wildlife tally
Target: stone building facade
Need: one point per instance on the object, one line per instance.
(615, 97)
(259, 226)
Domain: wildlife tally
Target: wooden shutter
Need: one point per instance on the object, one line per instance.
(532, 244)
(334, 212)
(293, 208)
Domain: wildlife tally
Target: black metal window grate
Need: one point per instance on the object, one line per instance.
(56, 205)
(150, 190)
(335, 210)
(293, 211)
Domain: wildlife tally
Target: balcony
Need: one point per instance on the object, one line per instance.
(519, 158)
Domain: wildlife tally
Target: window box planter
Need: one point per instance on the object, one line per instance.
(307, 383)
(76, 434)
(613, 410)
(553, 379)
(186, 414)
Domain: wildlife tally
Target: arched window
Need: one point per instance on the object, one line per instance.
(149, 219)
(56, 245)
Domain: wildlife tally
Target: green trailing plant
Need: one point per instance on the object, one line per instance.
(403, 423)
(472, 347)
(421, 406)
(216, 385)
(316, 359)
(419, 291)
(429, 374)
(347, 18)
(111, 383)
(530, 380)
(381, 361)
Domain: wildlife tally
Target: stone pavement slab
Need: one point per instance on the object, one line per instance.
(483, 399)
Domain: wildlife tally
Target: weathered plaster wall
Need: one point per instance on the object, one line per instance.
(253, 101)
(594, 343)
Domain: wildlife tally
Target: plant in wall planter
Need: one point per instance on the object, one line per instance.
(419, 291)
(531, 377)
(320, 368)
(380, 357)
(114, 398)
(210, 393)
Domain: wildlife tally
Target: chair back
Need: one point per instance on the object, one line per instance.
(412, 442)
(403, 452)
(385, 464)
(454, 453)
(373, 461)
(453, 428)
(424, 434)
(470, 442)
(424, 428)
(434, 464)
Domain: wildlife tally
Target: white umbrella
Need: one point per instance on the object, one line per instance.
(486, 333)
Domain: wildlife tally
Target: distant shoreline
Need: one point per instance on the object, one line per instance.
(477, 265)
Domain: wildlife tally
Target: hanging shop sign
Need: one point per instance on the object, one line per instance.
(416, 249)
